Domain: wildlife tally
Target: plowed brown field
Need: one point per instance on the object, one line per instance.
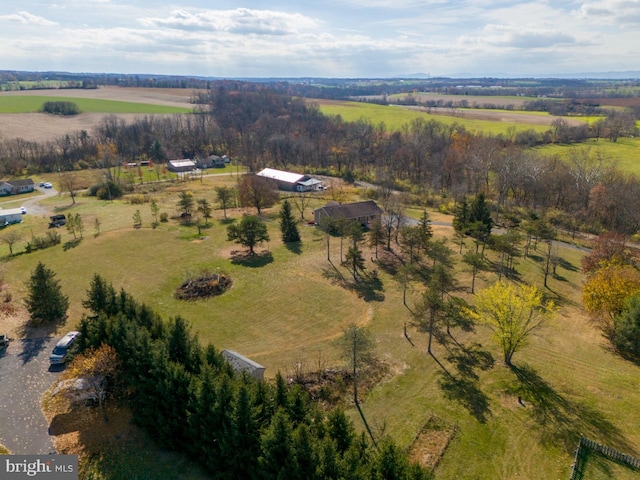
(42, 127)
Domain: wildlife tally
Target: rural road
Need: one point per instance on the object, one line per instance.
(24, 377)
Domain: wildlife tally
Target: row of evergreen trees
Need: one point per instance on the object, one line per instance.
(189, 399)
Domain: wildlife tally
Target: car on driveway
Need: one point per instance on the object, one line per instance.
(23, 210)
(60, 351)
(47, 185)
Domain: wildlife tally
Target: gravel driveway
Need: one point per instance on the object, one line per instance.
(24, 376)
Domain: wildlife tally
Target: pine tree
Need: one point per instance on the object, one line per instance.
(45, 300)
(288, 226)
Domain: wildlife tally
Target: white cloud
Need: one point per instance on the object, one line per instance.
(239, 21)
(622, 13)
(27, 18)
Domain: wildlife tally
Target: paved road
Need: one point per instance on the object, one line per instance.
(24, 376)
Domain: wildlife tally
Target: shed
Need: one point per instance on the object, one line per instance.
(184, 165)
(240, 363)
(361, 212)
(9, 216)
(290, 181)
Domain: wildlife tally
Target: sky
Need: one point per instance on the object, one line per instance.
(321, 38)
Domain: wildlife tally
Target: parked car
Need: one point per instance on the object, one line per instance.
(23, 210)
(60, 351)
(41, 184)
(48, 185)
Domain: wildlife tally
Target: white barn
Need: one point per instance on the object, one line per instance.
(293, 182)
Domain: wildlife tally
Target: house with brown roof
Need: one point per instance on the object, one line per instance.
(362, 212)
(14, 187)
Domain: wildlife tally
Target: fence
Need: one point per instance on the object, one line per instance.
(586, 446)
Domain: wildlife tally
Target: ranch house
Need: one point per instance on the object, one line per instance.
(362, 212)
(14, 187)
(289, 181)
(212, 161)
(9, 216)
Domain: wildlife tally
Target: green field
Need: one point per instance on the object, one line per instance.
(624, 154)
(33, 103)
(395, 118)
(285, 309)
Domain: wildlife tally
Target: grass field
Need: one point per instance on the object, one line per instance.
(395, 117)
(289, 305)
(623, 153)
(34, 103)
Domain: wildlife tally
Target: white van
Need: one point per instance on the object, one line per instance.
(59, 354)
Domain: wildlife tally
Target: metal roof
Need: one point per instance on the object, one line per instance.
(240, 362)
(280, 175)
(367, 208)
(182, 163)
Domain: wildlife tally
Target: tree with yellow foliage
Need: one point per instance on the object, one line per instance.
(97, 367)
(605, 292)
(512, 312)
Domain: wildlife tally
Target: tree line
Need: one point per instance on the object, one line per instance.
(190, 399)
(260, 127)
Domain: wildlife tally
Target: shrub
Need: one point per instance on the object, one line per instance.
(60, 108)
(164, 217)
(137, 199)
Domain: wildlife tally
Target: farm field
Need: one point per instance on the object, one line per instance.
(288, 307)
(624, 154)
(395, 117)
(33, 103)
(112, 101)
(473, 100)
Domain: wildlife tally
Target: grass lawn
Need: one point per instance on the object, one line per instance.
(34, 103)
(289, 305)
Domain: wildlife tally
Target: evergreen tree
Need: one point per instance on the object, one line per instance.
(376, 235)
(278, 459)
(45, 300)
(480, 220)
(288, 226)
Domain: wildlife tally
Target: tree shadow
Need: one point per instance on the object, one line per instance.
(71, 244)
(368, 287)
(463, 386)
(294, 247)
(34, 339)
(561, 420)
(246, 259)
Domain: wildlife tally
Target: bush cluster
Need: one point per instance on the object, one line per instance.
(49, 239)
(60, 108)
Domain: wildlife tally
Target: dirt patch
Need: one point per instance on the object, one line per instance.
(432, 442)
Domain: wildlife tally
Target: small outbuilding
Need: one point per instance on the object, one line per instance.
(9, 216)
(14, 187)
(240, 363)
(181, 166)
(289, 181)
(362, 212)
